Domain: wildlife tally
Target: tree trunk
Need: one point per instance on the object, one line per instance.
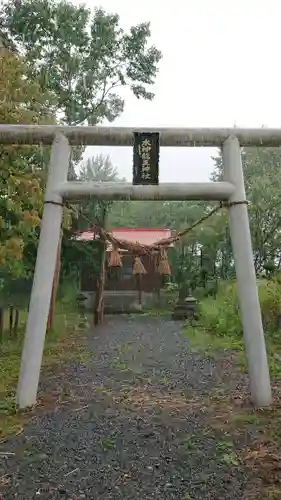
(11, 319)
(16, 322)
(1, 323)
(99, 301)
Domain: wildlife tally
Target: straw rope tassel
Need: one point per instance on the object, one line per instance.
(138, 267)
(114, 259)
(164, 266)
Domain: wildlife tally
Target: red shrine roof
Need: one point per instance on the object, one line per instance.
(144, 236)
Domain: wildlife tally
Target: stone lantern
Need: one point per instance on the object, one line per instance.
(186, 307)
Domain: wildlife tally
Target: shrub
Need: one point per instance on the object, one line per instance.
(221, 315)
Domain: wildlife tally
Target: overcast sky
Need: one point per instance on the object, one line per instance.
(220, 67)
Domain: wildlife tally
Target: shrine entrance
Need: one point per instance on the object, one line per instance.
(145, 186)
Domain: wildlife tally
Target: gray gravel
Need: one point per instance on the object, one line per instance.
(129, 425)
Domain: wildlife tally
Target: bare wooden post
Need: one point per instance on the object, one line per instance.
(99, 300)
(1, 323)
(51, 316)
(11, 319)
(138, 270)
(139, 287)
(16, 322)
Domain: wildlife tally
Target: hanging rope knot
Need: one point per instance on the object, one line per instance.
(164, 266)
(114, 259)
(138, 267)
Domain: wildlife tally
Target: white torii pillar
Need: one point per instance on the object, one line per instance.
(246, 277)
(43, 276)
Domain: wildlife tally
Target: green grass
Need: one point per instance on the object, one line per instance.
(219, 337)
(190, 442)
(208, 344)
(107, 444)
(212, 346)
(220, 324)
(60, 346)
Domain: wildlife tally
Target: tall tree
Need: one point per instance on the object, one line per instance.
(21, 182)
(98, 169)
(263, 185)
(83, 58)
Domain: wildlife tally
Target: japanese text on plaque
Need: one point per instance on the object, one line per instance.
(145, 154)
(146, 158)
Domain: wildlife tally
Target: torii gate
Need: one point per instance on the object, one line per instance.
(59, 189)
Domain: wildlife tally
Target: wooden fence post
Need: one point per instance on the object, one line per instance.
(51, 316)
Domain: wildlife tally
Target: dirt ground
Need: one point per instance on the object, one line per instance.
(128, 424)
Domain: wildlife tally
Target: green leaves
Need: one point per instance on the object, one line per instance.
(82, 58)
(21, 172)
(75, 63)
(263, 185)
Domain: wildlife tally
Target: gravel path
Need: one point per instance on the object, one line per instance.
(129, 425)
